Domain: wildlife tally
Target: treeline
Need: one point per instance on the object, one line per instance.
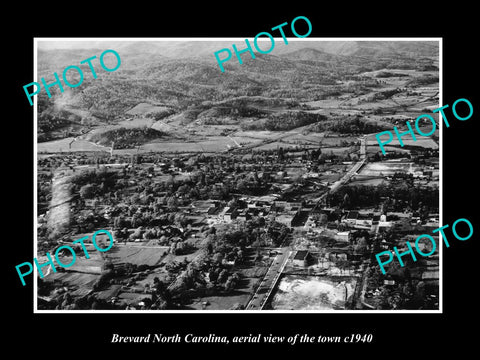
(50, 120)
(232, 111)
(396, 196)
(284, 121)
(348, 125)
(423, 80)
(127, 137)
(387, 74)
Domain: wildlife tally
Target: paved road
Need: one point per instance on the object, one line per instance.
(269, 280)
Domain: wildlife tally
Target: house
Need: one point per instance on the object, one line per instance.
(343, 236)
(229, 214)
(301, 258)
(244, 215)
(285, 219)
(365, 221)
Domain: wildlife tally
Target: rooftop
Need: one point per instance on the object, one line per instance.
(301, 255)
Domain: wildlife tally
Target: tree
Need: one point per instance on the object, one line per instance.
(172, 203)
(180, 220)
(150, 234)
(323, 220)
(230, 283)
(217, 258)
(137, 234)
(180, 248)
(361, 246)
(222, 277)
(88, 191)
(119, 222)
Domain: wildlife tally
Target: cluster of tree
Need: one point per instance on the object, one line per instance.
(385, 94)
(161, 297)
(65, 301)
(88, 222)
(92, 183)
(110, 99)
(423, 80)
(232, 111)
(51, 119)
(127, 137)
(398, 197)
(104, 279)
(44, 187)
(348, 125)
(259, 102)
(407, 293)
(284, 121)
(181, 248)
(388, 74)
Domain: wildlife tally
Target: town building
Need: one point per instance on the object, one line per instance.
(301, 258)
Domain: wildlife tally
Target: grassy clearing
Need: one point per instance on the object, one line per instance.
(63, 145)
(137, 255)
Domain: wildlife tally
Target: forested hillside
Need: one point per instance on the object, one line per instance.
(195, 88)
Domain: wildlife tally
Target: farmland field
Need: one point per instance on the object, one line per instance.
(386, 168)
(137, 255)
(63, 145)
(425, 142)
(138, 122)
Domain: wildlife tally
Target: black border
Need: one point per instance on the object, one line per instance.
(408, 333)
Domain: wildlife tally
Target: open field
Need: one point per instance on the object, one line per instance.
(425, 142)
(386, 168)
(367, 180)
(63, 145)
(137, 122)
(137, 255)
(215, 144)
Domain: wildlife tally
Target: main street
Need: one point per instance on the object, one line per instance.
(275, 270)
(270, 279)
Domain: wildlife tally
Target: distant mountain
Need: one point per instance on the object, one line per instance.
(361, 48)
(184, 74)
(204, 51)
(380, 48)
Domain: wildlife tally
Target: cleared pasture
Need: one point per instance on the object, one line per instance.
(150, 256)
(69, 145)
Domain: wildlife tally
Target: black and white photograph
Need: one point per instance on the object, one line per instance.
(259, 187)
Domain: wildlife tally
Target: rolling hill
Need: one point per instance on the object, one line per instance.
(182, 75)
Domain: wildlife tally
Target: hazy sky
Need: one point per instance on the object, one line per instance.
(195, 47)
